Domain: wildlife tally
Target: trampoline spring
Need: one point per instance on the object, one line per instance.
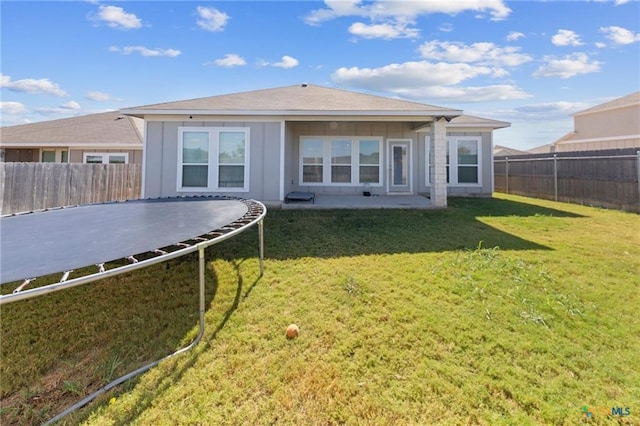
(65, 275)
(200, 239)
(100, 267)
(132, 259)
(25, 283)
(183, 245)
(160, 252)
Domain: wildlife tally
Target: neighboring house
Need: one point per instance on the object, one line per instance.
(503, 151)
(108, 137)
(267, 143)
(611, 125)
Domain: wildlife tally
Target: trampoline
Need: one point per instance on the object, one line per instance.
(103, 240)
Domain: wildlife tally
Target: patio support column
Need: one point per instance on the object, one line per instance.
(439, 177)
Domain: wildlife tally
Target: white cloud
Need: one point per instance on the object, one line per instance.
(566, 38)
(619, 2)
(394, 76)
(446, 27)
(287, 62)
(385, 31)
(98, 96)
(144, 51)
(548, 110)
(620, 35)
(514, 35)
(71, 105)
(481, 53)
(71, 108)
(230, 60)
(116, 17)
(13, 108)
(568, 66)
(463, 94)
(425, 81)
(211, 19)
(30, 85)
(404, 11)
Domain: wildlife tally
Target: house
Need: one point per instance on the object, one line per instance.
(265, 144)
(611, 125)
(504, 151)
(108, 137)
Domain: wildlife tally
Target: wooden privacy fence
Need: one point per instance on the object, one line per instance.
(35, 186)
(608, 179)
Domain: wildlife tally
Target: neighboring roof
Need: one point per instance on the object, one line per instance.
(565, 137)
(542, 149)
(301, 100)
(108, 129)
(499, 150)
(628, 100)
(472, 121)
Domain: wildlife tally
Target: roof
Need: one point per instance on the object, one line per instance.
(473, 121)
(628, 100)
(499, 150)
(304, 99)
(542, 149)
(107, 129)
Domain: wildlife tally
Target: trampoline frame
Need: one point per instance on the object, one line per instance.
(256, 211)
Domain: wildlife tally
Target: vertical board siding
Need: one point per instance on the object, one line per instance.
(601, 178)
(34, 186)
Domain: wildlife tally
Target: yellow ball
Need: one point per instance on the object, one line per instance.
(292, 331)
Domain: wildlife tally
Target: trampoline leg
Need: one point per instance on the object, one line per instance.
(201, 265)
(261, 238)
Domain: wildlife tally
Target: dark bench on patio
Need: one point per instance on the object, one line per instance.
(300, 196)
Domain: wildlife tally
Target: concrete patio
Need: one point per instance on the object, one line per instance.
(325, 201)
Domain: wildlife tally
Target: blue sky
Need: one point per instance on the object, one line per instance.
(532, 63)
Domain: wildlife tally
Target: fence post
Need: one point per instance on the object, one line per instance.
(638, 172)
(555, 177)
(506, 173)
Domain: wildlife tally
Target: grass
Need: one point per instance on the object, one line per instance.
(502, 311)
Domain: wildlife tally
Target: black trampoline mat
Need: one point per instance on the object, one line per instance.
(47, 242)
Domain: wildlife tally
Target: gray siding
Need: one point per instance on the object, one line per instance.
(161, 165)
(161, 151)
(486, 189)
(390, 130)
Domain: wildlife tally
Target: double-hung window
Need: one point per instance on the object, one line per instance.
(213, 159)
(462, 160)
(340, 161)
(467, 155)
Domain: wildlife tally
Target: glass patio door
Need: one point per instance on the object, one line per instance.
(400, 166)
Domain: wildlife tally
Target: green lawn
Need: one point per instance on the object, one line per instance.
(502, 311)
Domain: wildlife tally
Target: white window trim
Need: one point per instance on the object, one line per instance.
(452, 142)
(105, 156)
(212, 164)
(355, 161)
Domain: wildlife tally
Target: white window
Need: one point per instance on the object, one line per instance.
(340, 161)
(463, 167)
(213, 159)
(105, 158)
